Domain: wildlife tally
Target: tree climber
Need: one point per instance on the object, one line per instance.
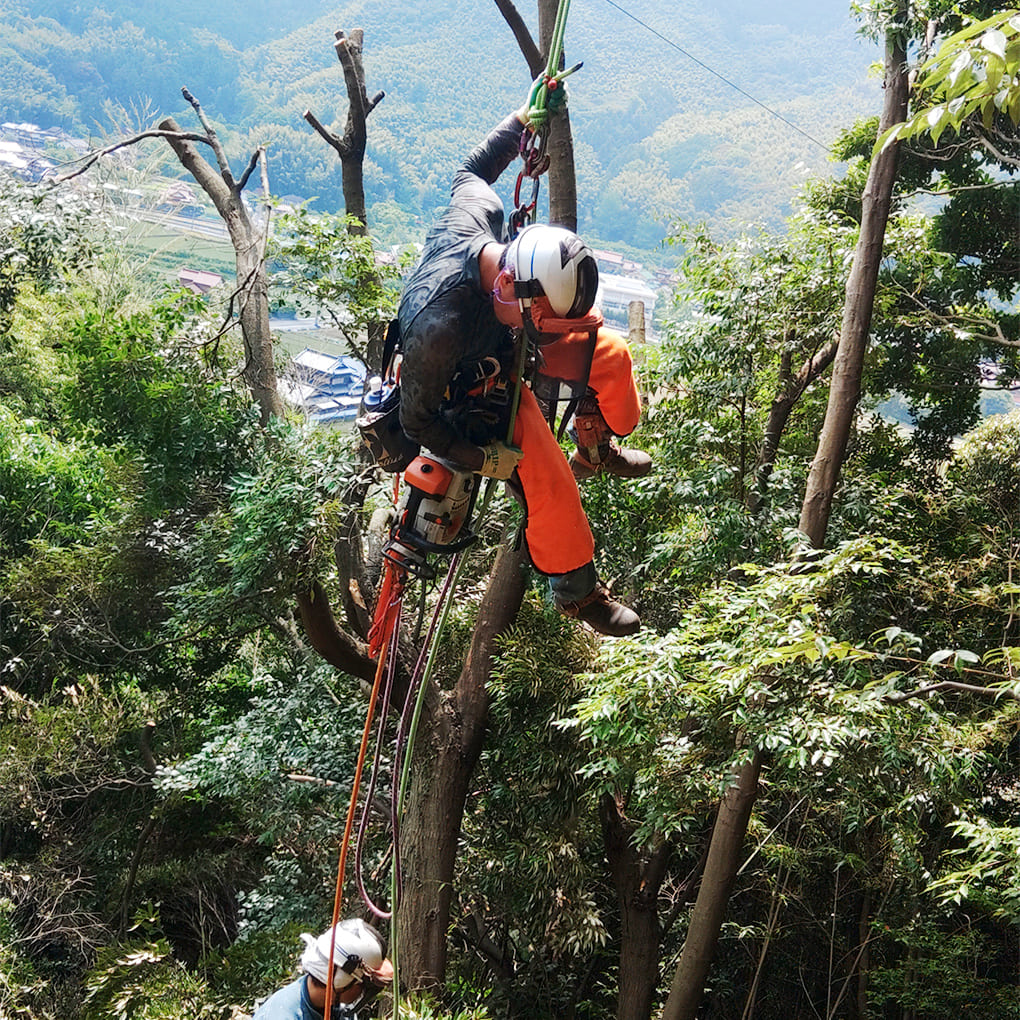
(456, 313)
(360, 972)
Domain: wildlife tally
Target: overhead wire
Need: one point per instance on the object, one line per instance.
(717, 74)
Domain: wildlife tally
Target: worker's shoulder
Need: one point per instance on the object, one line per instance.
(441, 311)
(287, 1003)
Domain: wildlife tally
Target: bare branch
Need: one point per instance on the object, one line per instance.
(335, 141)
(996, 336)
(250, 168)
(958, 189)
(1011, 693)
(214, 141)
(94, 157)
(986, 143)
(298, 778)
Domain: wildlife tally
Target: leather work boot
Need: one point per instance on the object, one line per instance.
(602, 613)
(616, 460)
(598, 451)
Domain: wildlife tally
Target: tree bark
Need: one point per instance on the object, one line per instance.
(451, 736)
(350, 147)
(724, 855)
(637, 877)
(790, 389)
(845, 388)
(252, 291)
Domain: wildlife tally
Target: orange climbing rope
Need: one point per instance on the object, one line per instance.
(348, 827)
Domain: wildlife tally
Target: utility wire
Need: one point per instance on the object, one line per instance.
(721, 77)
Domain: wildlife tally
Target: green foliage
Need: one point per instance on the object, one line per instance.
(328, 270)
(18, 979)
(425, 1007)
(141, 980)
(946, 974)
(975, 74)
(986, 467)
(530, 863)
(276, 529)
(288, 727)
(53, 490)
(44, 236)
(170, 406)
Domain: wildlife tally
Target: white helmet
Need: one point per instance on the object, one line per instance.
(357, 945)
(554, 263)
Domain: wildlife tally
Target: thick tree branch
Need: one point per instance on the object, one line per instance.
(199, 168)
(532, 54)
(475, 933)
(338, 648)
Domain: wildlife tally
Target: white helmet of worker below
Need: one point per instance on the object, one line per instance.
(354, 939)
(554, 263)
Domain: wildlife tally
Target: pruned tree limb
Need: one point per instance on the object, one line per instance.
(528, 47)
(214, 140)
(250, 168)
(330, 138)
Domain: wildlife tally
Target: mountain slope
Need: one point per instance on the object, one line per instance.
(658, 135)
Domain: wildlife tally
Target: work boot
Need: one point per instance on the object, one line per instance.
(598, 451)
(613, 460)
(602, 613)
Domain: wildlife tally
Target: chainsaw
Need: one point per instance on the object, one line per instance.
(433, 514)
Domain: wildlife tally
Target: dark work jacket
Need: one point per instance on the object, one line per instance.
(446, 319)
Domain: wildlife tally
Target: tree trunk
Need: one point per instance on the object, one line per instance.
(252, 291)
(451, 735)
(724, 855)
(845, 387)
(790, 389)
(637, 878)
(350, 147)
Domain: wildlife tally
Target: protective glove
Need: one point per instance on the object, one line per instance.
(500, 460)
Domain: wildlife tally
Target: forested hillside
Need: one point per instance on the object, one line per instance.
(239, 692)
(657, 135)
